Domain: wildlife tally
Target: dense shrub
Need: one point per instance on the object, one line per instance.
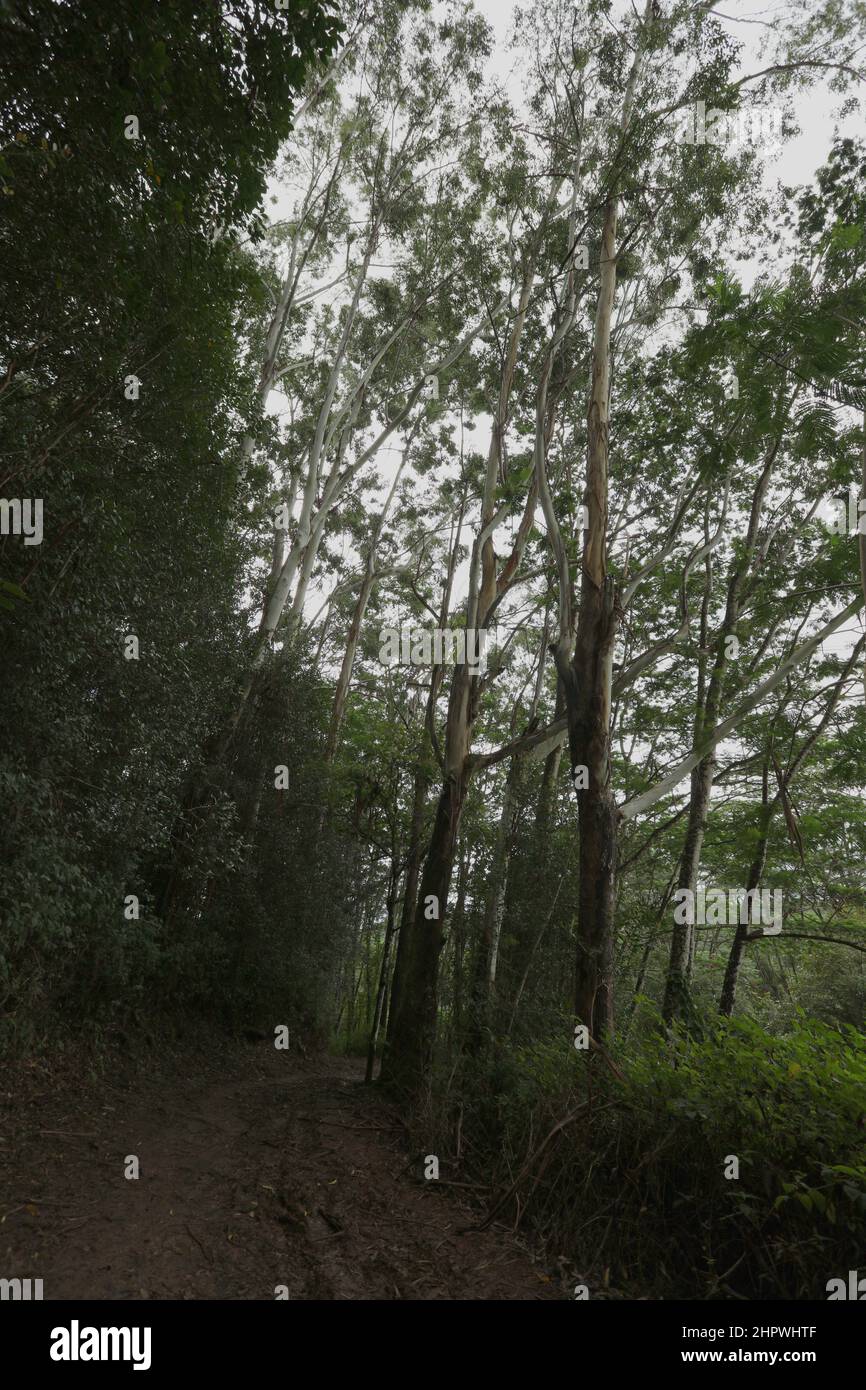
(632, 1192)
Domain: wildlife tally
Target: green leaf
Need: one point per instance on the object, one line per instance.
(14, 589)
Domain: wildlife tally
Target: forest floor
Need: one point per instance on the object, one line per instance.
(257, 1169)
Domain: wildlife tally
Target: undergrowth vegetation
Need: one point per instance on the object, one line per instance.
(728, 1165)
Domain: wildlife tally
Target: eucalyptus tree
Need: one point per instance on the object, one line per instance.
(386, 163)
(406, 109)
(795, 744)
(800, 342)
(599, 112)
(612, 166)
(666, 63)
(501, 495)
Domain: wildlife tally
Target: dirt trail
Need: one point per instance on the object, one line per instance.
(268, 1171)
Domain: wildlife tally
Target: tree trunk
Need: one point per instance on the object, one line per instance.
(589, 740)
(383, 968)
(410, 898)
(458, 931)
(756, 873)
(682, 940)
(530, 887)
(413, 1015)
(413, 1033)
(588, 687)
(647, 952)
(488, 946)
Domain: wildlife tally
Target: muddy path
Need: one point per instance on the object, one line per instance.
(261, 1171)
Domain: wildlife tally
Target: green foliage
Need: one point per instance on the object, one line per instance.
(634, 1193)
(418, 203)
(108, 272)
